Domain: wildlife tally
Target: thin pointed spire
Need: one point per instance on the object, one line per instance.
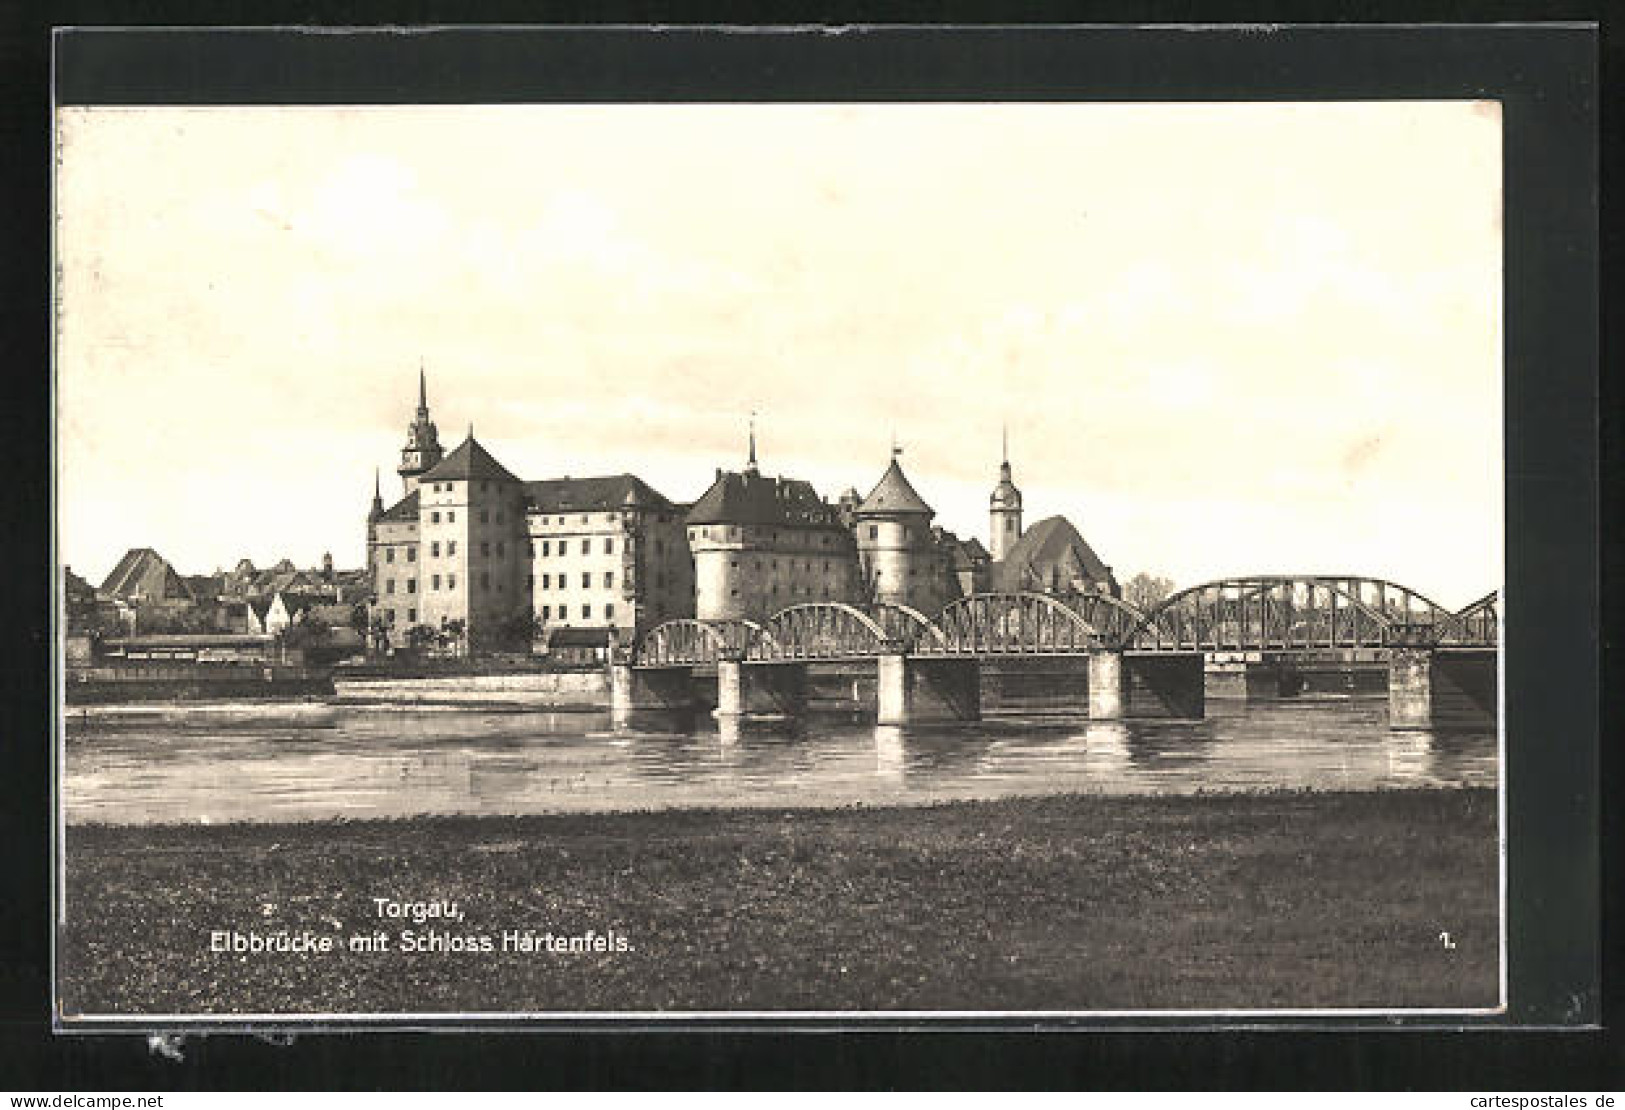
(377, 490)
(423, 388)
(1004, 442)
(752, 463)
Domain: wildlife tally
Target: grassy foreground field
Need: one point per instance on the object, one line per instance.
(1287, 900)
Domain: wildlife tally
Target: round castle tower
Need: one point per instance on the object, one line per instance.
(893, 531)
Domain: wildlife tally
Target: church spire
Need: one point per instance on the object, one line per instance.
(377, 496)
(422, 450)
(750, 467)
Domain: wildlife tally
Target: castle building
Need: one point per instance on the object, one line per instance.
(470, 545)
(763, 544)
(474, 552)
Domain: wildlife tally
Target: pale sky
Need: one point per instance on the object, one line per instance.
(1226, 339)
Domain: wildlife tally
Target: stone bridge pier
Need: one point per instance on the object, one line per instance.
(756, 689)
(1442, 688)
(633, 690)
(1147, 684)
(917, 690)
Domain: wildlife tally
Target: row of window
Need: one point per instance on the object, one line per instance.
(451, 516)
(756, 564)
(732, 533)
(411, 554)
(434, 583)
(586, 547)
(564, 583)
(586, 612)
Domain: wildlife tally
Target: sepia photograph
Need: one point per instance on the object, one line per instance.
(779, 560)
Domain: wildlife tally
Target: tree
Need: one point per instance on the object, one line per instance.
(521, 628)
(453, 633)
(422, 635)
(1145, 591)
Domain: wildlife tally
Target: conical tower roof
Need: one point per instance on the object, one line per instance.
(893, 495)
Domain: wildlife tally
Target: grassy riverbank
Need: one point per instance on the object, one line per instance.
(1285, 900)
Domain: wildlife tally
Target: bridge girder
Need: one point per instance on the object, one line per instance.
(690, 642)
(1031, 624)
(1289, 612)
(823, 630)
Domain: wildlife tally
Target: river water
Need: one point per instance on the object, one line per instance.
(313, 762)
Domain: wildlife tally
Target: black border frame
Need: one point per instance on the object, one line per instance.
(1545, 76)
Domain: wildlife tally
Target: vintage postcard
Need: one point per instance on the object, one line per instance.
(831, 560)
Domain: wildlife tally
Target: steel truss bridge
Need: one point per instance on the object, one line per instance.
(1280, 614)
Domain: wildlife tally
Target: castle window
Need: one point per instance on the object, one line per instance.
(586, 580)
(586, 612)
(547, 612)
(434, 582)
(733, 593)
(547, 581)
(451, 518)
(451, 581)
(485, 517)
(501, 548)
(609, 546)
(584, 520)
(389, 554)
(389, 585)
(609, 580)
(434, 550)
(733, 564)
(411, 616)
(547, 548)
(609, 612)
(874, 531)
(564, 547)
(434, 518)
(485, 549)
(411, 585)
(411, 554)
(451, 547)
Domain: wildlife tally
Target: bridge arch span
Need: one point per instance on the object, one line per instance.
(690, 642)
(822, 630)
(1286, 612)
(1031, 624)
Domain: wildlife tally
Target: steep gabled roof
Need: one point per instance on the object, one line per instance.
(1047, 553)
(145, 572)
(469, 460)
(753, 498)
(406, 509)
(893, 494)
(615, 491)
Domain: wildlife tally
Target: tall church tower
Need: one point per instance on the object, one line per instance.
(1004, 511)
(422, 451)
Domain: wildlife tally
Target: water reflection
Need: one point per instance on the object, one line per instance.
(365, 762)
